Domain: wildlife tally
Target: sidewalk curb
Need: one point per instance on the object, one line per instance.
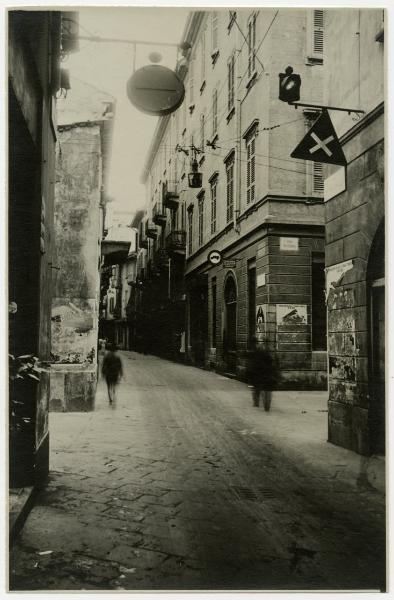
(21, 502)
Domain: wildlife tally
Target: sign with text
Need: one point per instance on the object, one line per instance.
(291, 314)
(288, 243)
(260, 279)
(229, 264)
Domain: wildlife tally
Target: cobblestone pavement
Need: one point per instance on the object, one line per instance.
(182, 484)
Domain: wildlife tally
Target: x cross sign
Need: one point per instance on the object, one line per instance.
(321, 144)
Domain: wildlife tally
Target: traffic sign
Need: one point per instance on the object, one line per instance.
(321, 143)
(215, 257)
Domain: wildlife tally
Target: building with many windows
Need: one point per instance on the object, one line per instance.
(219, 177)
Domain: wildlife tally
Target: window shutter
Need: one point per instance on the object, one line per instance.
(191, 82)
(203, 57)
(318, 181)
(318, 31)
(214, 31)
(214, 112)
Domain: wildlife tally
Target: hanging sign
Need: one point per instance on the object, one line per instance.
(155, 90)
(215, 257)
(321, 143)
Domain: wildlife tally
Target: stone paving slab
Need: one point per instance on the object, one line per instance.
(184, 485)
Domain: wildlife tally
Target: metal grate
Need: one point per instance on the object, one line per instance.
(254, 495)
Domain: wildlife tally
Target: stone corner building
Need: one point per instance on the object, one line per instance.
(355, 232)
(261, 209)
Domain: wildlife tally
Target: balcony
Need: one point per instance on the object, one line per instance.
(159, 214)
(176, 242)
(170, 198)
(150, 230)
(143, 242)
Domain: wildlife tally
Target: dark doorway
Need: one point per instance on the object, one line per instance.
(199, 323)
(230, 333)
(376, 298)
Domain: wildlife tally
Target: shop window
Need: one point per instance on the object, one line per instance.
(319, 311)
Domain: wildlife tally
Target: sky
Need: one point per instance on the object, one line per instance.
(108, 66)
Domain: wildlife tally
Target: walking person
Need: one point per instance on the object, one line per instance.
(112, 370)
(264, 376)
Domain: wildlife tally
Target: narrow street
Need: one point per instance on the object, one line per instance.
(183, 484)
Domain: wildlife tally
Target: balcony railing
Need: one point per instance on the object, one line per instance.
(176, 242)
(170, 198)
(159, 214)
(150, 230)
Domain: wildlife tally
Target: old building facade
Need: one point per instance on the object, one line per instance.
(260, 209)
(37, 39)
(83, 153)
(355, 231)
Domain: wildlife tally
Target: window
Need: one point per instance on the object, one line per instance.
(111, 304)
(214, 112)
(214, 183)
(319, 322)
(230, 81)
(214, 301)
(251, 45)
(318, 180)
(202, 132)
(230, 188)
(250, 167)
(191, 83)
(316, 34)
(203, 57)
(251, 303)
(233, 17)
(190, 230)
(201, 219)
(214, 32)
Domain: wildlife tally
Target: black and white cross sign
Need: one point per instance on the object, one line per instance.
(321, 143)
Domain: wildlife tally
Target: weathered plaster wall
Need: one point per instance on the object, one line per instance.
(76, 268)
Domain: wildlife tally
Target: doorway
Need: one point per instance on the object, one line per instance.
(376, 301)
(230, 332)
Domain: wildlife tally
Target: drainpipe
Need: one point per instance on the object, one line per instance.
(237, 208)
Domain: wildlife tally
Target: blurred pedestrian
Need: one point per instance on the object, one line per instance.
(264, 376)
(112, 370)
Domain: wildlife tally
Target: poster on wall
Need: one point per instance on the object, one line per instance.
(261, 318)
(290, 314)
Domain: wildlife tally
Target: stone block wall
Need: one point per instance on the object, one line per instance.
(353, 219)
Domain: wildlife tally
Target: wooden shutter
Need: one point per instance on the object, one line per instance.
(318, 31)
(318, 181)
(214, 31)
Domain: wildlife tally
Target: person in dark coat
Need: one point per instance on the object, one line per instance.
(112, 370)
(264, 376)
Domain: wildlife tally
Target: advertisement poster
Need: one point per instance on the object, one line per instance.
(287, 314)
(261, 318)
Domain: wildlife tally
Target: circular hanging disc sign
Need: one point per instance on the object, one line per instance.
(155, 90)
(215, 257)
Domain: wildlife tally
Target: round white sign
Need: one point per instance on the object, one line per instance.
(215, 257)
